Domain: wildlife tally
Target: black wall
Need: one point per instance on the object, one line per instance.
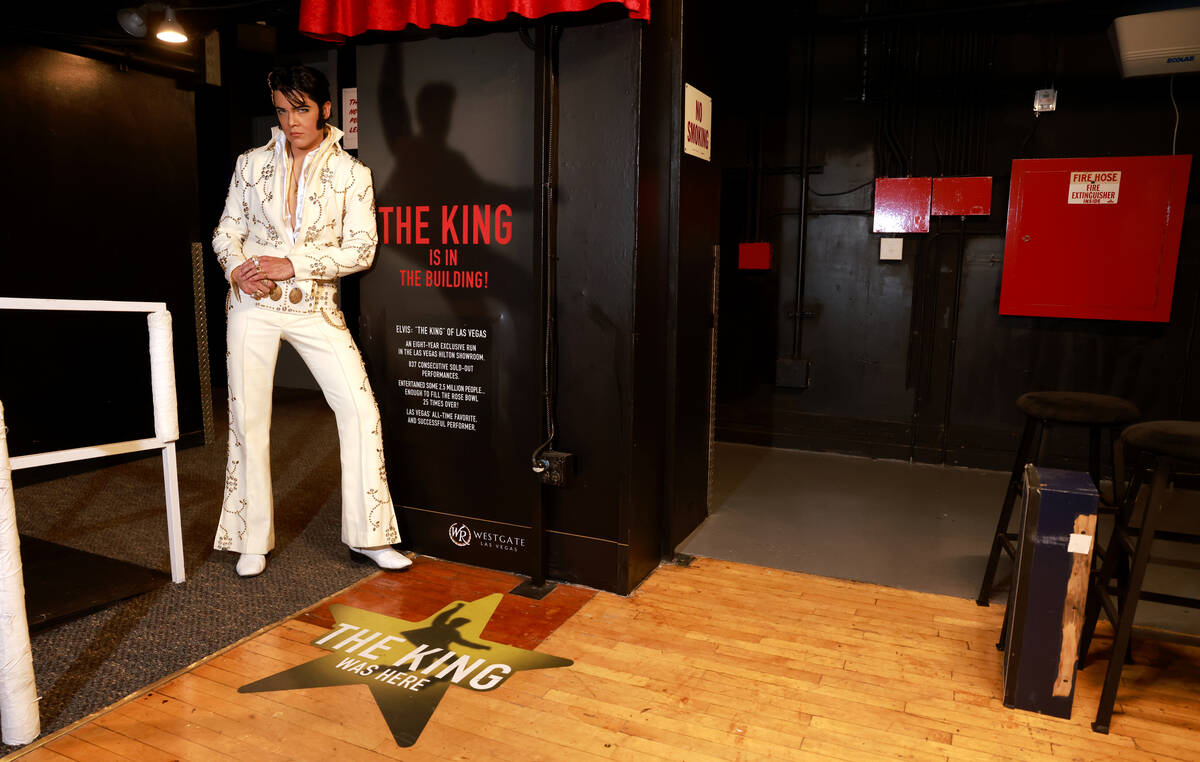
(598, 256)
(693, 261)
(911, 359)
(101, 204)
(660, 144)
(634, 293)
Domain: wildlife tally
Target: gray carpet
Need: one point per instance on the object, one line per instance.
(87, 664)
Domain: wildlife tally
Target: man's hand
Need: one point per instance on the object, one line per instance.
(257, 275)
(276, 268)
(257, 287)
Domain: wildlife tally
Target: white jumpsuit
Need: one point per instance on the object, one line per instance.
(334, 235)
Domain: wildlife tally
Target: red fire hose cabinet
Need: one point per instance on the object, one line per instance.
(1094, 238)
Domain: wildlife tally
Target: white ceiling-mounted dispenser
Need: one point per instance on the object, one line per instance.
(1164, 42)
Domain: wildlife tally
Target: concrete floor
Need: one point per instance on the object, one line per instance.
(907, 525)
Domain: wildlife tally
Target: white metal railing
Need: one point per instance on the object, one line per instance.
(19, 720)
(166, 419)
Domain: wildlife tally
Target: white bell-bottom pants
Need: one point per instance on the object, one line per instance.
(247, 512)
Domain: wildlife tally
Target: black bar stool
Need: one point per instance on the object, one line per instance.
(1172, 443)
(1043, 410)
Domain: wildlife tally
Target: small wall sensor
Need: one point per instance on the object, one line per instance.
(891, 249)
(1044, 100)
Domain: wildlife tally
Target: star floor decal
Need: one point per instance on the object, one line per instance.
(409, 665)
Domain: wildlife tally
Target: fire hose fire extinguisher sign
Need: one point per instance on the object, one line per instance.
(1094, 188)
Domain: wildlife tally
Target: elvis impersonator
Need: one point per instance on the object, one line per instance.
(299, 215)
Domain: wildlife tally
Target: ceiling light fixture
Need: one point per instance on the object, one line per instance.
(133, 21)
(170, 30)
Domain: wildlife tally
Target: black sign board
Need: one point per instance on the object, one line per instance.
(449, 311)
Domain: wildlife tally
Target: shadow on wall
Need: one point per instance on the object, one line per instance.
(428, 172)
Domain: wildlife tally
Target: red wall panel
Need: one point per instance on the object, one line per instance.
(901, 205)
(754, 256)
(1094, 238)
(962, 195)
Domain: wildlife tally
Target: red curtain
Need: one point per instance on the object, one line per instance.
(336, 20)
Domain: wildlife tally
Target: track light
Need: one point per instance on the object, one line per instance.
(133, 21)
(170, 30)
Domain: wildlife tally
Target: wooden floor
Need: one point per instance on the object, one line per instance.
(713, 661)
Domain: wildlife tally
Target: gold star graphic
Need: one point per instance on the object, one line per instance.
(409, 665)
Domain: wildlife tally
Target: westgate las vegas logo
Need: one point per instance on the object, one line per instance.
(462, 535)
(409, 665)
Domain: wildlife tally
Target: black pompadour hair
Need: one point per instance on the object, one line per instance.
(297, 81)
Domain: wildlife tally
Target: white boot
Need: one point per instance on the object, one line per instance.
(251, 564)
(385, 557)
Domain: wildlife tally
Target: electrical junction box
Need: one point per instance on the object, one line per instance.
(559, 468)
(902, 204)
(961, 196)
(905, 204)
(1094, 237)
